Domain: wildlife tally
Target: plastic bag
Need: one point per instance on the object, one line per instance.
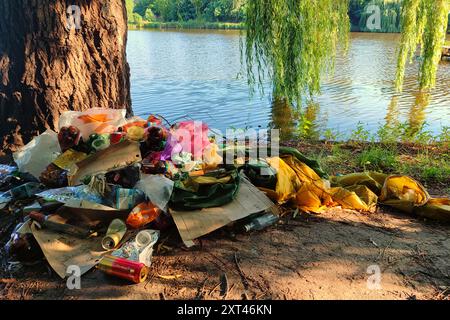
(95, 120)
(158, 189)
(36, 155)
(188, 136)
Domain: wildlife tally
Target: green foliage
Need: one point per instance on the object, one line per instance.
(430, 168)
(377, 159)
(149, 15)
(194, 24)
(130, 7)
(296, 40)
(187, 10)
(331, 135)
(360, 134)
(424, 24)
(444, 136)
(137, 19)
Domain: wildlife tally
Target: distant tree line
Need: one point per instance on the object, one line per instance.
(185, 10)
(360, 12)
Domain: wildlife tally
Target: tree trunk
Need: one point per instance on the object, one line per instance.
(47, 67)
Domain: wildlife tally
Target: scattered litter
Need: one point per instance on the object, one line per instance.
(126, 269)
(115, 233)
(102, 191)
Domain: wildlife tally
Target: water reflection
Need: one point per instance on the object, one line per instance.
(393, 112)
(178, 73)
(283, 118)
(417, 114)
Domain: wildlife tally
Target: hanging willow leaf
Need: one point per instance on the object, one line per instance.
(294, 42)
(424, 24)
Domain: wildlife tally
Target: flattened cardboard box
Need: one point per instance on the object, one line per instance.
(197, 223)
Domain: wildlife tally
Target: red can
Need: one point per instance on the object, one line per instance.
(134, 271)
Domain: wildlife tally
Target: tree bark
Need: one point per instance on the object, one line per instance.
(47, 68)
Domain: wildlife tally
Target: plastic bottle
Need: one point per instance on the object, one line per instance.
(261, 222)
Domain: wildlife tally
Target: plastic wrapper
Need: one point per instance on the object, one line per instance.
(36, 155)
(96, 120)
(99, 142)
(23, 247)
(26, 190)
(140, 248)
(143, 214)
(124, 199)
(211, 157)
(134, 122)
(15, 180)
(5, 198)
(68, 193)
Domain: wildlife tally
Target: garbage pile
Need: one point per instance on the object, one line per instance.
(102, 190)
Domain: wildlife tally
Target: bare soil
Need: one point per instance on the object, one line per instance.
(323, 256)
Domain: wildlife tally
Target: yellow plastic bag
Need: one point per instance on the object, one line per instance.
(403, 193)
(287, 181)
(373, 180)
(436, 209)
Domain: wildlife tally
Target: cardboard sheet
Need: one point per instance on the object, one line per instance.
(197, 223)
(62, 251)
(89, 214)
(115, 157)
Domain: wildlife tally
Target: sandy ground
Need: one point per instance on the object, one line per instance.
(323, 256)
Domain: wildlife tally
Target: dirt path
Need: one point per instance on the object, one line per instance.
(309, 257)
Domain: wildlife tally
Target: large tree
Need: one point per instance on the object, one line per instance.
(47, 68)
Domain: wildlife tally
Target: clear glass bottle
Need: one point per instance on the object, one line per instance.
(261, 222)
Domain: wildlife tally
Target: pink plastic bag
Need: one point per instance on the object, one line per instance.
(188, 136)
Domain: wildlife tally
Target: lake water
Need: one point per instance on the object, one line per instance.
(181, 74)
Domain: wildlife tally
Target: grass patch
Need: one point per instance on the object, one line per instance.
(377, 159)
(430, 169)
(428, 164)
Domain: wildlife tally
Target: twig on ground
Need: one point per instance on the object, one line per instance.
(243, 276)
(224, 288)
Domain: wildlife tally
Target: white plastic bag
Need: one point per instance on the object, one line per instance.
(38, 154)
(157, 187)
(95, 120)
